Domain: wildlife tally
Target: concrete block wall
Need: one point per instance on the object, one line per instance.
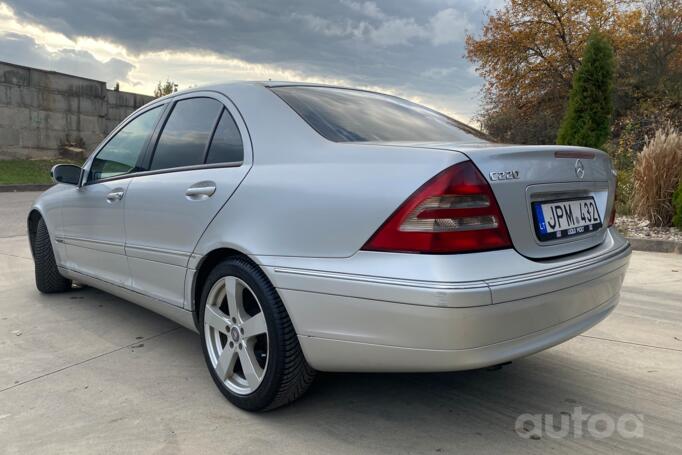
(40, 111)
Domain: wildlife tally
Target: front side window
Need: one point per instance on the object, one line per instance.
(120, 155)
(344, 115)
(185, 136)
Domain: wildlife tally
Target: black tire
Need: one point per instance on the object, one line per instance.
(288, 375)
(48, 278)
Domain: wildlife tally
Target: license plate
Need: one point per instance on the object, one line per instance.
(565, 218)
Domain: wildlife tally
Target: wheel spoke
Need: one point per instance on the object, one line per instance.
(226, 362)
(216, 318)
(234, 297)
(254, 325)
(252, 371)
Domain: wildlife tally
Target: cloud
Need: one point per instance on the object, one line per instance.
(330, 28)
(23, 50)
(369, 9)
(444, 27)
(448, 26)
(382, 43)
(397, 31)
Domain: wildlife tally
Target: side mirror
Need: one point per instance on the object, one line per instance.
(66, 173)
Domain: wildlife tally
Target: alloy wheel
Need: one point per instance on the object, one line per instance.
(236, 335)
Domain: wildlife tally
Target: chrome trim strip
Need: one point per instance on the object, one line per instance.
(166, 171)
(381, 280)
(72, 241)
(92, 244)
(622, 251)
(170, 257)
(163, 256)
(158, 250)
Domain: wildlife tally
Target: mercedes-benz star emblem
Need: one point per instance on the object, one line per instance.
(579, 169)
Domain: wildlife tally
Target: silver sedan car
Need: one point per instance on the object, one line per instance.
(301, 228)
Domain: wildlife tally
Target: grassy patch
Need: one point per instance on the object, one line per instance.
(14, 172)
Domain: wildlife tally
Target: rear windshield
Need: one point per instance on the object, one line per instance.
(344, 115)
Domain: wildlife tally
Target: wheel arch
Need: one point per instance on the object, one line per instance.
(34, 217)
(203, 269)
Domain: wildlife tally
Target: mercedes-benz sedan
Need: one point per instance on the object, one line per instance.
(301, 228)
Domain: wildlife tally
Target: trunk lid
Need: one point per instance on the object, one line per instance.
(522, 177)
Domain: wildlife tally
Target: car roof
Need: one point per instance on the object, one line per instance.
(232, 86)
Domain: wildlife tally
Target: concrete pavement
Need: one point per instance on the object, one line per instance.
(85, 372)
(13, 212)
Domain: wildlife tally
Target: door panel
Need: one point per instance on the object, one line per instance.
(93, 231)
(163, 224)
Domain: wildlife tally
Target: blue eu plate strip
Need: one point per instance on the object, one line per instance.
(541, 218)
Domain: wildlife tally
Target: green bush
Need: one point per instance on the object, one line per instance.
(677, 204)
(588, 116)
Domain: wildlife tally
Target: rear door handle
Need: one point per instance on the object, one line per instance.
(200, 191)
(115, 195)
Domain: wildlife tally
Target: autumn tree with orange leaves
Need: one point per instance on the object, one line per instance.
(529, 50)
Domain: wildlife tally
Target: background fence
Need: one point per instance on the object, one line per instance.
(44, 114)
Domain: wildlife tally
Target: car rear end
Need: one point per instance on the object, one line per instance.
(500, 252)
(462, 275)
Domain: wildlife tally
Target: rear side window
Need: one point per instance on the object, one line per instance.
(185, 136)
(226, 146)
(344, 115)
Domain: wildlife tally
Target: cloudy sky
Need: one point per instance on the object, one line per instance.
(411, 48)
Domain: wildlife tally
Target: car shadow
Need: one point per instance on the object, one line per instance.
(479, 409)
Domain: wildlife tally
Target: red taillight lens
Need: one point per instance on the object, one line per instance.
(454, 212)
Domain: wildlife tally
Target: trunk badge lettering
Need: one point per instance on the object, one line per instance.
(504, 175)
(579, 169)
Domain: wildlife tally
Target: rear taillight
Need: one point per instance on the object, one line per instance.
(454, 212)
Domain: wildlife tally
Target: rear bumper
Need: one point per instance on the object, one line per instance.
(360, 322)
(337, 355)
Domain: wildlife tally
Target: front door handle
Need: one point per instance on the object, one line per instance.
(200, 191)
(115, 195)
